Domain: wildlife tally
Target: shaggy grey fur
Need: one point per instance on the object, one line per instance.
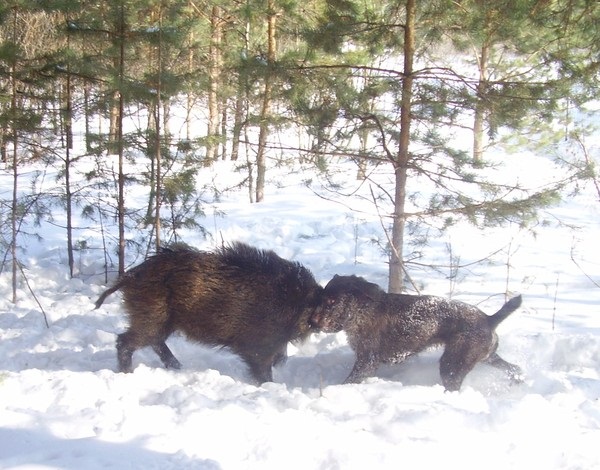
(385, 327)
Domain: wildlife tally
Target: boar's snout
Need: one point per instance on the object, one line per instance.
(323, 320)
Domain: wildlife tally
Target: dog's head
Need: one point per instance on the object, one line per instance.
(343, 297)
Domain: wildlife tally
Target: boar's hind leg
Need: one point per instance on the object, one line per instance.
(166, 356)
(125, 348)
(129, 342)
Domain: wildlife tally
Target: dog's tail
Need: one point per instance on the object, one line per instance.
(107, 292)
(508, 308)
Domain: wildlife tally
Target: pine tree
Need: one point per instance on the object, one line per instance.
(25, 56)
(416, 98)
(136, 61)
(529, 55)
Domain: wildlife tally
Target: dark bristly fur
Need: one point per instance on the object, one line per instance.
(385, 327)
(249, 300)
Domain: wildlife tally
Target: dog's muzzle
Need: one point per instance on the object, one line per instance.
(322, 321)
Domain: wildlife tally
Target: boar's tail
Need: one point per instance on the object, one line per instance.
(107, 292)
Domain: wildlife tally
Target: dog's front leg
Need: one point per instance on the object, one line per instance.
(365, 366)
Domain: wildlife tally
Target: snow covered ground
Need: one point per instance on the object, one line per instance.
(63, 406)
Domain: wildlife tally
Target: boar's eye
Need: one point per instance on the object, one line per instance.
(330, 302)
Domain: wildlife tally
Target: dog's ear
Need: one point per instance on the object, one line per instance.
(371, 291)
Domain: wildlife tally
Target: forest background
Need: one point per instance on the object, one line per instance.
(383, 83)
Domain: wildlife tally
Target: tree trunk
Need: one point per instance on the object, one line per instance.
(114, 121)
(121, 175)
(361, 172)
(261, 164)
(480, 105)
(214, 71)
(190, 100)
(14, 206)
(224, 130)
(87, 116)
(69, 146)
(151, 132)
(241, 101)
(157, 119)
(363, 133)
(266, 106)
(3, 151)
(14, 212)
(238, 120)
(396, 269)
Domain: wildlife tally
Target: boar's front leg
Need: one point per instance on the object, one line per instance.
(261, 370)
(166, 356)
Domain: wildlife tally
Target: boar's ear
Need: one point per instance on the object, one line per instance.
(371, 291)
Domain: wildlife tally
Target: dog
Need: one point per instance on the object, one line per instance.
(388, 328)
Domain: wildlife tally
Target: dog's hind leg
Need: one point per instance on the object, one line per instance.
(513, 371)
